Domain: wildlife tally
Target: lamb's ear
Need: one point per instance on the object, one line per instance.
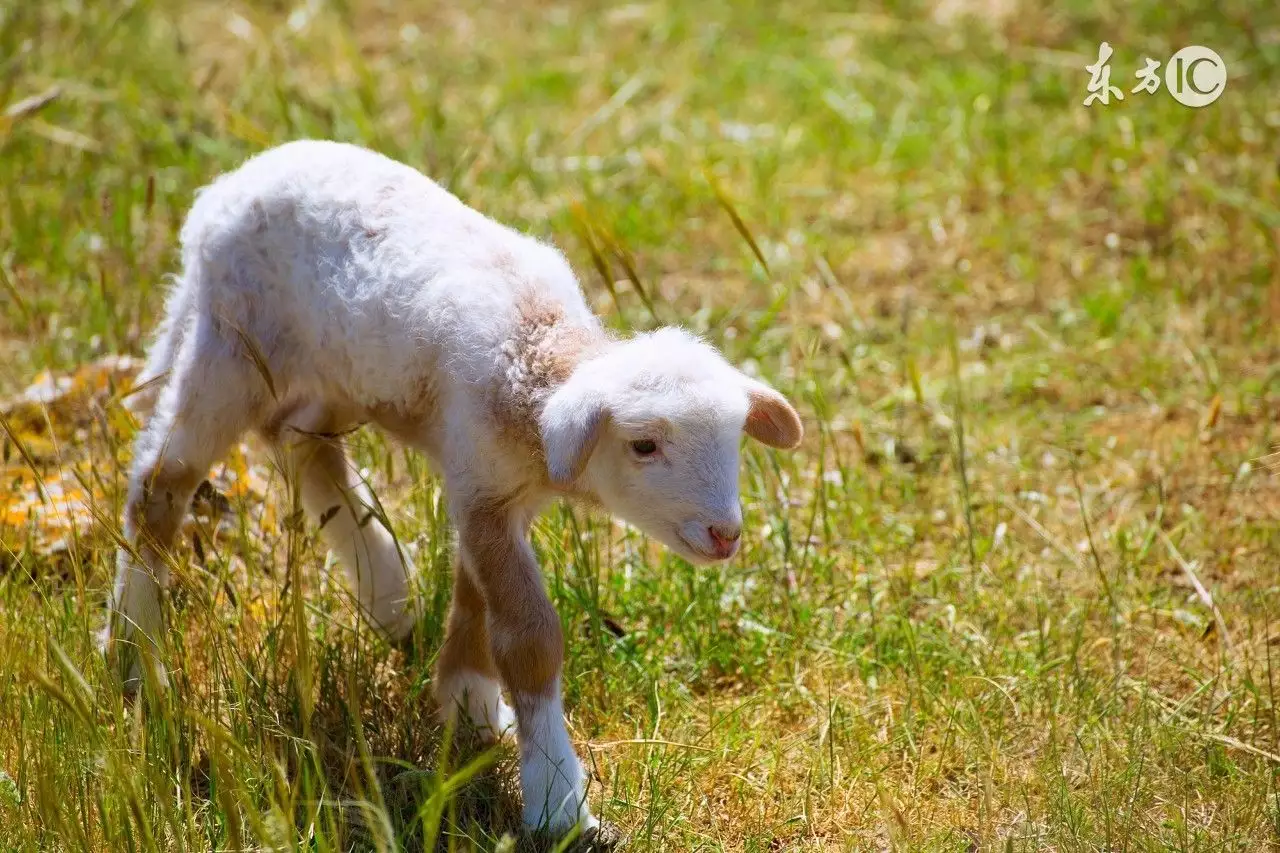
(770, 418)
(571, 424)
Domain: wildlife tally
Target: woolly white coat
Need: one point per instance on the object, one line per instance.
(323, 286)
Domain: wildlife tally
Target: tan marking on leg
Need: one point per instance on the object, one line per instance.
(466, 678)
(466, 642)
(201, 411)
(528, 649)
(524, 629)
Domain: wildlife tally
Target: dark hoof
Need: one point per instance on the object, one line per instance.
(600, 839)
(604, 837)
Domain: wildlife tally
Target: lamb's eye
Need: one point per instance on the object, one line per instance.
(645, 447)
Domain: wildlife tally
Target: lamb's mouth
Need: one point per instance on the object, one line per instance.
(697, 552)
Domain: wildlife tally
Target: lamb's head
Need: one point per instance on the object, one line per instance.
(652, 426)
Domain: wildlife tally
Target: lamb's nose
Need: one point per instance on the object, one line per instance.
(725, 537)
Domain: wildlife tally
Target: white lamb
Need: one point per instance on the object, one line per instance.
(325, 285)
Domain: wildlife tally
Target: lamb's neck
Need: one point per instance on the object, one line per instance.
(544, 349)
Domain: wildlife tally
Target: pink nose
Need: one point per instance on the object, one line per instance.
(725, 538)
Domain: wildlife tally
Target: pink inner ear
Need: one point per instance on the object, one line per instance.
(761, 427)
(772, 420)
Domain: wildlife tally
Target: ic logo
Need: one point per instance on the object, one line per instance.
(1195, 76)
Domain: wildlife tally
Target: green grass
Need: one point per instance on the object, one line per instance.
(920, 647)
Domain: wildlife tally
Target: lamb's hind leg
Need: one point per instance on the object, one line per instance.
(211, 396)
(352, 524)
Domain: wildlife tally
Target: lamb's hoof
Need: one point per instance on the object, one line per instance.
(604, 837)
(601, 838)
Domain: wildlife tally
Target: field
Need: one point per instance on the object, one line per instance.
(1019, 589)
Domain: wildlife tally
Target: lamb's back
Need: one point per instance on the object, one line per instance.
(354, 269)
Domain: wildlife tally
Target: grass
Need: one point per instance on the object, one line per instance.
(1017, 591)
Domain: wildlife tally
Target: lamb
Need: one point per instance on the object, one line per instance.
(323, 286)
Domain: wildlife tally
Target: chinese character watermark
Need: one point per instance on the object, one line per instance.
(1100, 88)
(1195, 76)
(1148, 77)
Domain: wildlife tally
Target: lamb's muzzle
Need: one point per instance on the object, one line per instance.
(323, 286)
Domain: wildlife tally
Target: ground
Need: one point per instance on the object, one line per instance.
(1018, 589)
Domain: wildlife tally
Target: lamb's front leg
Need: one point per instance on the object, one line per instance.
(528, 649)
(466, 677)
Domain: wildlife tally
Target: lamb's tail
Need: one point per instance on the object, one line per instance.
(179, 311)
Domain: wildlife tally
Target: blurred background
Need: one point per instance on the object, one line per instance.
(1018, 590)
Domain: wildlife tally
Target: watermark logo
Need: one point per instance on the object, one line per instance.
(1100, 88)
(1148, 77)
(1195, 76)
